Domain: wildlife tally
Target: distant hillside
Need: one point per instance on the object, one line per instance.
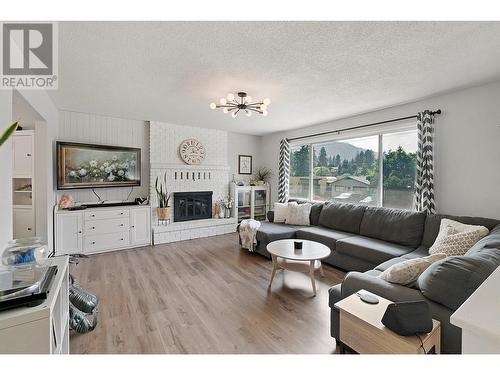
(345, 150)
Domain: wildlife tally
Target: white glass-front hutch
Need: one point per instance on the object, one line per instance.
(251, 202)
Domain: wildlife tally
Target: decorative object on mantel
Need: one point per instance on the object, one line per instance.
(244, 103)
(262, 176)
(163, 209)
(226, 205)
(244, 164)
(66, 201)
(192, 151)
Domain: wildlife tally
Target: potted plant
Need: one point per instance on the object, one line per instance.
(262, 176)
(8, 132)
(163, 209)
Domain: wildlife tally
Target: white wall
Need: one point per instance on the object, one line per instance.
(5, 170)
(242, 144)
(467, 147)
(92, 128)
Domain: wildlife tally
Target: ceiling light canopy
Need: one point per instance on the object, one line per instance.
(241, 104)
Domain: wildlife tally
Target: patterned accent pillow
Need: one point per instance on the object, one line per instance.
(408, 271)
(298, 214)
(455, 238)
(280, 212)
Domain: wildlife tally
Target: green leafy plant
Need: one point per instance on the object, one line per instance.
(161, 191)
(263, 174)
(7, 133)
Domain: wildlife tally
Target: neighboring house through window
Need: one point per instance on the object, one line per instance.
(348, 170)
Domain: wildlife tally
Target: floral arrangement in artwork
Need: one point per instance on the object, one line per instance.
(114, 169)
(82, 165)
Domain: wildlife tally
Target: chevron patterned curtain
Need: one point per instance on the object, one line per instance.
(424, 184)
(283, 170)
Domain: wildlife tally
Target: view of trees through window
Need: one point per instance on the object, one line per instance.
(300, 166)
(348, 170)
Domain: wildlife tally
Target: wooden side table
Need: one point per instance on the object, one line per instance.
(362, 330)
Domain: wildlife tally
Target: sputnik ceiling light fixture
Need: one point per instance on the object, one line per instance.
(240, 104)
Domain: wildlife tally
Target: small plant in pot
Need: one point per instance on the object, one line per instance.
(262, 176)
(163, 209)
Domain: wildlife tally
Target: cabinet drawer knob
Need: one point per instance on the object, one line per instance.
(92, 215)
(132, 226)
(28, 154)
(93, 227)
(29, 228)
(121, 225)
(121, 239)
(93, 242)
(80, 231)
(121, 213)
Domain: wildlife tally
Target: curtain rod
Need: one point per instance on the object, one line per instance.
(437, 112)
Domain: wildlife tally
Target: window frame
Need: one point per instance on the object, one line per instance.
(379, 132)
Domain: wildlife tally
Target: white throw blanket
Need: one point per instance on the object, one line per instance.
(248, 233)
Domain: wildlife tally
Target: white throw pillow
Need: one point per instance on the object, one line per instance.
(280, 212)
(455, 238)
(408, 271)
(298, 214)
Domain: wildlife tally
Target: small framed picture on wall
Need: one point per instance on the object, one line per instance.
(244, 164)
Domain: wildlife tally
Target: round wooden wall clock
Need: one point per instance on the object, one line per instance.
(192, 151)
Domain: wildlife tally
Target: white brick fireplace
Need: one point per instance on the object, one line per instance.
(211, 175)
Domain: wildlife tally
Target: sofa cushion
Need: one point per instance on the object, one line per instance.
(269, 232)
(316, 208)
(355, 281)
(432, 223)
(298, 214)
(342, 216)
(456, 238)
(419, 252)
(325, 236)
(372, 250)
(451, 281)
(401, 227)
(490, 241)
(280, 212)
(389, 263)
(408, 271)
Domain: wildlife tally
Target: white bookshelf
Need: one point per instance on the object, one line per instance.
(251, 202)
(23, 183)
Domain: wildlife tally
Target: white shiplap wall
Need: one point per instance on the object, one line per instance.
(91, 128)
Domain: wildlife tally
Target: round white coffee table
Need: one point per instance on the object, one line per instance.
(307, 259)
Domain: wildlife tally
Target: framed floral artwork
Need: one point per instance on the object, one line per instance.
(81, 165)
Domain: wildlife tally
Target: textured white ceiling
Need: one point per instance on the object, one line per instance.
(312, 71)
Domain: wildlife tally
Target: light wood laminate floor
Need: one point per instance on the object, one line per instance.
(202, 296)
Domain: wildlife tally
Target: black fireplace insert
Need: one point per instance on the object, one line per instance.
(192, 205)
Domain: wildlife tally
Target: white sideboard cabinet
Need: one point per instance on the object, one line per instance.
(95, 230)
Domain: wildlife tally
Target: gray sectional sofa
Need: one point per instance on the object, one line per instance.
(368, 240)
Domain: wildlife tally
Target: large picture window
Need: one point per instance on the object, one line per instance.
(376, 170)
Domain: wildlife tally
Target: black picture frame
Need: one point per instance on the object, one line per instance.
(241, 160)
(62, 184)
